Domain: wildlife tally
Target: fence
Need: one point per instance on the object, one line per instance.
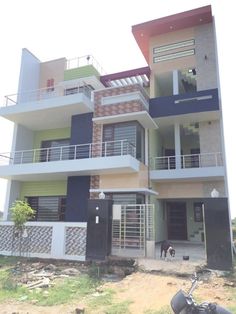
(45, 240)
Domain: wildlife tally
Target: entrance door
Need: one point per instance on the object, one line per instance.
(176, 221)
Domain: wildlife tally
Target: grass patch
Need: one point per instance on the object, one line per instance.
(119, 308)
(103, 299)
(106, 303)
(8, 286)
(64, 291)
(8, 260)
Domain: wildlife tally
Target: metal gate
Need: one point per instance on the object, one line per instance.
(132, 226)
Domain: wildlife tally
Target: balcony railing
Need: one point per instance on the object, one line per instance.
(72, 152)
(83, 61)
(46, 93)
(188, 161)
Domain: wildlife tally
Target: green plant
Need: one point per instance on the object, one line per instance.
(21, 212)
(95, 271)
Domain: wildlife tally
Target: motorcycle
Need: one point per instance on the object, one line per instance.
(184, 303)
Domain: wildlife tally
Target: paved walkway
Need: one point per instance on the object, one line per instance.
(176, 265)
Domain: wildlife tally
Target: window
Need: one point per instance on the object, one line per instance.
(180, 44)
(127, 198)
(175, 55)
(48, 208)
(71, 91)
(85, 89)
(130, 132)
(51, 150)
(50, 85)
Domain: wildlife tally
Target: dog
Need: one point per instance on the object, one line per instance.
(166, 247)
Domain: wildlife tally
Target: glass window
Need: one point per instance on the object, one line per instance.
(53, 151)
(130, 132)
(48, 208)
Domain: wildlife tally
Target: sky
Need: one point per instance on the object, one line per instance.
(52, 29)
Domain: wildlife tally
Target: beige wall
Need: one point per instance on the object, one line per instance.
(52, 70)
(204, 46)
(126, 180)
(172, 37)
(188, 189)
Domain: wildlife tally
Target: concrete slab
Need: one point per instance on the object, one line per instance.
(176, 265)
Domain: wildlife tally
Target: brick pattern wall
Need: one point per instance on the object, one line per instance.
(109, 110)
(75, 241)
(206, 66)
(118, 108)
(39, 240)
(94, 184)
(97, 138)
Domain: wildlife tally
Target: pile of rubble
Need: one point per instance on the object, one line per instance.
(41, 274)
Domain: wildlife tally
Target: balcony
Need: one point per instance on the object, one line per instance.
(196, 166)
(188, 103)
(60, 162)
(47, 107)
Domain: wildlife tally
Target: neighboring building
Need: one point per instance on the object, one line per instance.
(150, 138)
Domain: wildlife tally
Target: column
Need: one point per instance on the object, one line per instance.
(175, 82)
(177, 146)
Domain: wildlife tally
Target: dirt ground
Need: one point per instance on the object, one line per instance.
(146, 291)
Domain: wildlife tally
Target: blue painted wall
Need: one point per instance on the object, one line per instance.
(174, 105)
(81, 128)
(77, 198)
(78, 186)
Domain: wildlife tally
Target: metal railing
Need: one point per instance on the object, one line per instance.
(135, 226)
(83, 61)
(71, 152)
(188, 161)
(47, 93)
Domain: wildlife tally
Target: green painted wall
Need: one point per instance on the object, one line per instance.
(43, 188)
(84, 71)
(53, 134)
(160, 221)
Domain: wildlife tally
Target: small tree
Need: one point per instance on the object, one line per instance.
(21, 212)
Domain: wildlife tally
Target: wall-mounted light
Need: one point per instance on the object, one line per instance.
(215, 193)
(101, 196)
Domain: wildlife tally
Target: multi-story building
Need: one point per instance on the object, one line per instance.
(151, 139)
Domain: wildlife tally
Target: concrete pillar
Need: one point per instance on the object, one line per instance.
(150, 249)
(177, 146)
(175, 82)
(146, 148)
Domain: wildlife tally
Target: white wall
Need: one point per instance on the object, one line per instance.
(24, 138)
(13, 193)
(29, 74)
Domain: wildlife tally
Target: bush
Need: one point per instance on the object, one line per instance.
(21, 212)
